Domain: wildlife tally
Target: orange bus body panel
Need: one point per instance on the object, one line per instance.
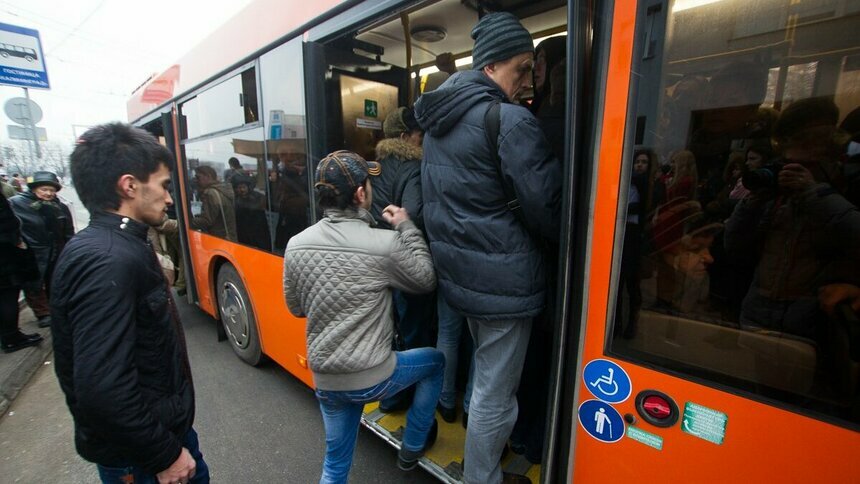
(282, 335)
(256, 26)
(762, 443)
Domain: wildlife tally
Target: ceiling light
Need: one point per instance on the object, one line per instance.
(428, 34)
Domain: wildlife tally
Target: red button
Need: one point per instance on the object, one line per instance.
(657, 406)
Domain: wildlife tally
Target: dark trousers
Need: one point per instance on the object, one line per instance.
(415, 315)
(8, 311)
(37, 299)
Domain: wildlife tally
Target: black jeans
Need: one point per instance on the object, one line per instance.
(9, 310)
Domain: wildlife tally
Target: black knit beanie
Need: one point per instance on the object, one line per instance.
(499, 36)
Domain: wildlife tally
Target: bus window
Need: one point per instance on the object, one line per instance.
(230, 104)
(740, 255)
(286, 137)
(227, 177)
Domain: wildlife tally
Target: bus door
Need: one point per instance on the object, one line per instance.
(161, 126)
(349, 95)
(722, 270)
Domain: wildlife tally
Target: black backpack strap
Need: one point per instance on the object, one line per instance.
(492, 127)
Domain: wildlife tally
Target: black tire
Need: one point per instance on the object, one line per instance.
(237, 316)
(29, 58)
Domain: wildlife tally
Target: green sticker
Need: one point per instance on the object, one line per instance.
(370, 108)
(644, 437)
(704, 423)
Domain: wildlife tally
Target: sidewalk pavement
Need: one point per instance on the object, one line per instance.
(17, 368)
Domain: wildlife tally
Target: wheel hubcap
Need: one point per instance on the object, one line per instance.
(234, 315)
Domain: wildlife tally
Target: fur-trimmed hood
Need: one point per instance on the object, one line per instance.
(399, 149)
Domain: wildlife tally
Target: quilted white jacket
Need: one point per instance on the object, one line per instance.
(339, 273)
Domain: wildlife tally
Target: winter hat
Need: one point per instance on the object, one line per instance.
(401, 120)
(499, 36)
(343, 171)
(44, 178)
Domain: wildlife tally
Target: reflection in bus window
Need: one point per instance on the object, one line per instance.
(232, 206)
(230, 104)
(286, 132)
(741, 247)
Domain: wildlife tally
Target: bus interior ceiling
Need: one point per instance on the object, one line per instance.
(446, 25)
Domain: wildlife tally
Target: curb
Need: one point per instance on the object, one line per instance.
(16, 369)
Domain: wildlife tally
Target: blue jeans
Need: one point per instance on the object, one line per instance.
(136, 475)
(500, 351)
(451, 326)
(341, 410)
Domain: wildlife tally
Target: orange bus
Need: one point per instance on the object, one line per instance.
(703, 328)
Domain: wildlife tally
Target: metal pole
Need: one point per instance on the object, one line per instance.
(32, 126)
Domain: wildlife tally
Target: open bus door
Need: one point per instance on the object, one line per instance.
(712, 347)
(162, 127)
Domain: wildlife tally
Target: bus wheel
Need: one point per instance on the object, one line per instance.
(237, 316)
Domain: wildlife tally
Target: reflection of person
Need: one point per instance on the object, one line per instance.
(289, 188)
(251, 225)
(217, 216)
(119, 347)
(683, 237)
(15, 269)
(234, 170)
(477, 241)
(46, 225)
(339, 273)
(797, 229)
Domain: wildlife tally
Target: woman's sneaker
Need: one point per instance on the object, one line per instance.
(408, 459)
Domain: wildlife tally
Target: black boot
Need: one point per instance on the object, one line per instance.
(408, 459)
(18, 341)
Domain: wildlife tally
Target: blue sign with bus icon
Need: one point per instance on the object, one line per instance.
(601, 421)
(22, 62)
(607, 381)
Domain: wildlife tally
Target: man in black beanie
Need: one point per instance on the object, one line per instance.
(488, 206)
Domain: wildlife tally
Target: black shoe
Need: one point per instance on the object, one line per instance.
(508, 478)
(448, 414)
(45, 322)
(408, 459)
(518, 448)
(19, 341)
(465, 420)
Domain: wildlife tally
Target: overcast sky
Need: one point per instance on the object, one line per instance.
(98, 51)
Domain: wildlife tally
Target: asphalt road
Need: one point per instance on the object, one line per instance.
(256, 425)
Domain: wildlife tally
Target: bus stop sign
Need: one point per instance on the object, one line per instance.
(22, 62)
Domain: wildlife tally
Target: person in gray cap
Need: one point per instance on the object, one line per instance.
(488, 204)
(339, 273)
(46, 226)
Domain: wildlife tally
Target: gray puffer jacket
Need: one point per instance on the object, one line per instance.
(339, 273)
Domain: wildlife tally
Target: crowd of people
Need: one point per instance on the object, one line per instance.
(37, 226)
(456, 228)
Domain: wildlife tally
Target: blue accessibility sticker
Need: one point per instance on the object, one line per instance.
(607, 381)
(601, 421)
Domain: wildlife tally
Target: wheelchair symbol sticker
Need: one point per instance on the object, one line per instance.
(607, 381)
(601, 421)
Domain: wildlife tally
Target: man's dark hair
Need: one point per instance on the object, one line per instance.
(234, 162)
(107, 152)
(328, 197)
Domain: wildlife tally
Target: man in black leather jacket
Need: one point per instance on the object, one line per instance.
(119, 347)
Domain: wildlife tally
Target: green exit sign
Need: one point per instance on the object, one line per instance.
(370, 108)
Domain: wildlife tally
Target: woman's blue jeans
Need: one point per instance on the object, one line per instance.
(451, 326)
(341, 410)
